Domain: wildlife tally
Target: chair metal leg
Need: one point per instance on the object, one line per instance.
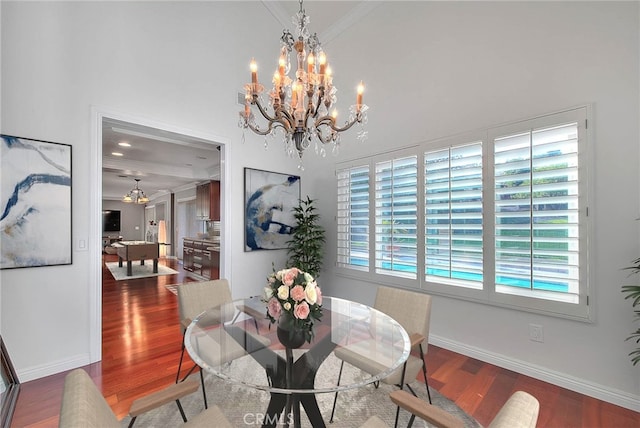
(133, 419)
(188, 373)
(413, 418)
(404, 370)
(397, 416)
(204, 391)
(184, 417)
(335, 398)
(424, 372)
(411, 390)
(180, 363)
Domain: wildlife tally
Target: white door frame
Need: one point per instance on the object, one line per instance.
(95, 210)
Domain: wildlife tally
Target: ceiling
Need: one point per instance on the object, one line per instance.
(163, 161)
(166, 162)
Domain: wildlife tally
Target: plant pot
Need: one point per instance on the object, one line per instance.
(290, 335)
(292, 339)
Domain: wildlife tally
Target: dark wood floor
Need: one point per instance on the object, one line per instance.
(141, 348)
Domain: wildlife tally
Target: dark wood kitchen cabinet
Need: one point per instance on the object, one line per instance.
(214, 201)
(208, 201)
(201, 256)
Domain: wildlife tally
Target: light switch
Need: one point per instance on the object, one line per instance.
(81, 245)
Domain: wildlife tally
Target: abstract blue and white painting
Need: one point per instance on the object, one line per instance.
(269, 201)
(35, 203)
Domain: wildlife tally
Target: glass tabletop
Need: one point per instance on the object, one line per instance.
(237, 342)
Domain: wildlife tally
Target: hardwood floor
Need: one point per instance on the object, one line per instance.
(141, 348)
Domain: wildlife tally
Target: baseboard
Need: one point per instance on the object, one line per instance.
(601, 392)
(37, 372)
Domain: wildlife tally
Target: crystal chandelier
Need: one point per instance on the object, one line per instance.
(300, 107)
(136, 195)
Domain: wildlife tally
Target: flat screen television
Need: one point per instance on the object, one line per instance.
(111, 221)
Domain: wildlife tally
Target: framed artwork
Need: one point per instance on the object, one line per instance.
(269, 199)
(9, 387)
(35, 203)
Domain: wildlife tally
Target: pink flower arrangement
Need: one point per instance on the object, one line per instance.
(293, 298)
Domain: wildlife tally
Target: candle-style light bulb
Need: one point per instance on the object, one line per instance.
(359, 96)
(281, 66)
(322, 59)
(254, 71)
(310, 63)
(334, 114)
(328, 81)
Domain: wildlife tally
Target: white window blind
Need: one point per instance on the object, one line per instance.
(396, 218)
(536, 213)
(353, 217)
(498, 216)
(453, 215)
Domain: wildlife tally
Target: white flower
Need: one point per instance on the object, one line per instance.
(311, 293)
(287, 306)
(308, 278)
(268, 293)
(283, 292)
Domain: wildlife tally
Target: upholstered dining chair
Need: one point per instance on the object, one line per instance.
(520, 411)
(84, 406)
(193, 299)
(412, 310)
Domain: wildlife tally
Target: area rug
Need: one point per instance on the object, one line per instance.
(173, 288)
(244, 406)
(120, 273)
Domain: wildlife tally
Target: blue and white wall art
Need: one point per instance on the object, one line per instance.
(35, 203)
(269, 199)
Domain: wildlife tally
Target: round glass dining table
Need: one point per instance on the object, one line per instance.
(236, 342)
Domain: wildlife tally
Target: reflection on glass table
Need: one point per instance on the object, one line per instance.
(225, 341)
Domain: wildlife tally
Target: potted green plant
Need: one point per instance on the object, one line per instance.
(633, 292)
(305, 248)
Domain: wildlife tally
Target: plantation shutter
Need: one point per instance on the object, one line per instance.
(353, 217)
(453, 215)
(396, 212)
(536, 212)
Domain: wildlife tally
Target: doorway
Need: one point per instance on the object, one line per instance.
(166, 136)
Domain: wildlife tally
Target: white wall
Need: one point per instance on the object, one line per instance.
(432, 69)
(177, 63)
(456, 67)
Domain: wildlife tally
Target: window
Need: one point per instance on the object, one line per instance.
(353, 217)
(501, 218)
(396, 217)
(453, 215)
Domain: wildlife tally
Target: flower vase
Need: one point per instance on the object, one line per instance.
(289, 335)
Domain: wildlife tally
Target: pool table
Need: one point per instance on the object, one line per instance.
(137, 250)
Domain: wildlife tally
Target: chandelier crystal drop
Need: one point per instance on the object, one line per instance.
(301, 107)
(136, 195)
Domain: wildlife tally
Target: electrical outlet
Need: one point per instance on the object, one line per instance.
(536, 333)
